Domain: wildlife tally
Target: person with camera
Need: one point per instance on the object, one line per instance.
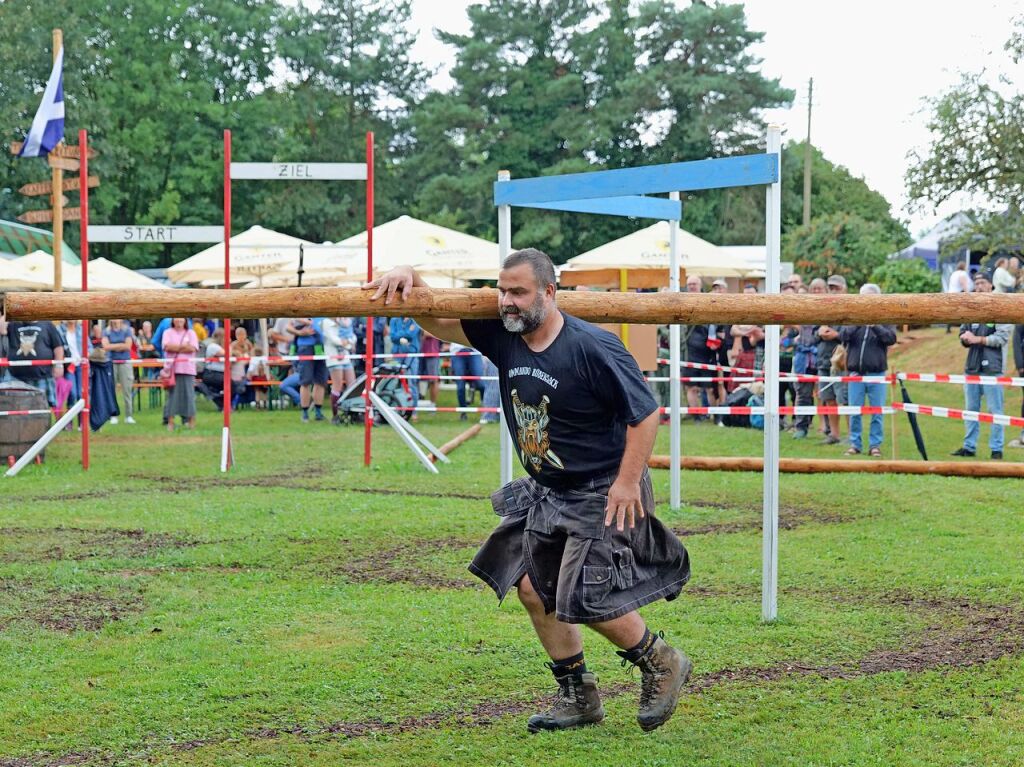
(831, 361)
(867, 354)
(985, 344)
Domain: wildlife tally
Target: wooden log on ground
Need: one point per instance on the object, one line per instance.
(834, 466)
(644, 308)
(453, 443)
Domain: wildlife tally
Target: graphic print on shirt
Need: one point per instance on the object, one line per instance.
(532, 433)
(27, 341)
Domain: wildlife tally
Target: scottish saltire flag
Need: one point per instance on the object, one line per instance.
(48, 126)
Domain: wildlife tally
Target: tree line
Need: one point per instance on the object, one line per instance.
(539, 87)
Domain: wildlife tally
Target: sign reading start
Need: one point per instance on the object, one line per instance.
(156, 234)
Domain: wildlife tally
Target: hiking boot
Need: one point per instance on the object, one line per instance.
(963, 452)
(664, 671)
(577, 704)
(336, 420)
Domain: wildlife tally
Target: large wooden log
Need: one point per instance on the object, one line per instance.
(650, 308)
(834, 466)
(453, 443)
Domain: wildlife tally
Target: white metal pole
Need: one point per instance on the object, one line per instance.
(673, 375)
(504, 249)
(770, 520)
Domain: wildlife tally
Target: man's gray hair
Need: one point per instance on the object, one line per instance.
(539, 261)
(870, 287)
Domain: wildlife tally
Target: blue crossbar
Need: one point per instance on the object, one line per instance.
(749, 170)
(634, 207)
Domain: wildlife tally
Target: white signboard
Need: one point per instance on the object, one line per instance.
(300, 171)
(155, 234)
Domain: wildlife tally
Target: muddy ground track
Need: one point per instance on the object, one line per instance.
(177, 485)
(412, 562)
(959, 635)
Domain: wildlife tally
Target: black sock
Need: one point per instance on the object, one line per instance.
(573, 665)
(641, 648)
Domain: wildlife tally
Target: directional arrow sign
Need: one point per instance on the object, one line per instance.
(39, 188)
(64, 150)
(45, 216)
(64, 163)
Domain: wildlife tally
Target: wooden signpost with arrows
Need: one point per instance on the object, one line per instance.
(63, 158)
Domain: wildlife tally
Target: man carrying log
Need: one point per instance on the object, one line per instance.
(577, 537)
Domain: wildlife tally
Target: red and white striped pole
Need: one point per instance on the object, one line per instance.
(83, 226)
(368, 386)
(226, 457)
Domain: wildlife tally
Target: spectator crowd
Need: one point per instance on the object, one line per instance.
(833, 352)
(187, 357)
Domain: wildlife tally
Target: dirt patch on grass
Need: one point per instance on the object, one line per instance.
(404, 564)
(132, 572)
(48, 544)
(790, 518)
(961, 635)
(410, 562)
(63, 610)
(418, 493)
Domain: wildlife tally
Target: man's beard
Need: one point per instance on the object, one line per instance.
(526, 320)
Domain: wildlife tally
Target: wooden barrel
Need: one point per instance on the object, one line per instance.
(19, 432)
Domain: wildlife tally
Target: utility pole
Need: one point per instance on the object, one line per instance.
(807, 155)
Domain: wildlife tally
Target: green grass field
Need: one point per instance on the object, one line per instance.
(303, 610)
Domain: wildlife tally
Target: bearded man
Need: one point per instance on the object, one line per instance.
(577, 537)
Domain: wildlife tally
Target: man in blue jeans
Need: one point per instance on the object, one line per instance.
(312, 373)
(867, 354)
(986, 346)
(405, 340)
(466, 361)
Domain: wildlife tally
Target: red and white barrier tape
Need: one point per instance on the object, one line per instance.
(962, 379)
(962, 415)
(787, 410)
(423, 377)
(29, 412)
(939, 412)
(432, 409)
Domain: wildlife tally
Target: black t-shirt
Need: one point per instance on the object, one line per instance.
(32, 341)
(567, 406)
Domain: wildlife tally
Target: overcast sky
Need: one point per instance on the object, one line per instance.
(872, 62)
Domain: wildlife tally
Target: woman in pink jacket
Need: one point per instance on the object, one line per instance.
(180, 345)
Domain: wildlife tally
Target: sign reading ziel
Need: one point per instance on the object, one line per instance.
(300, 171)
(156, 234)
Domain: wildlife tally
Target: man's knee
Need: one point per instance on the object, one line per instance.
(528, 595)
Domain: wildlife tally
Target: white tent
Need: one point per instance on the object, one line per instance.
(106, 275)
(648, 249)
(16, 276)
(256, 254)
(321, 265)
(103, 274)
(441, 255)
